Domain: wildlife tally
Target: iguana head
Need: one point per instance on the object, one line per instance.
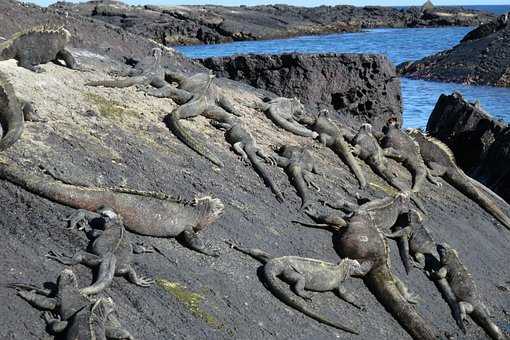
(414, 217)
(445, 252)
(107, 212)
(67, 279)
(403, 200)
(366, 128)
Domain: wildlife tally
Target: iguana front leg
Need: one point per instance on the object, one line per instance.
(411, 298)
(68, 58)
(179, 96)
(227, 104)
(393, 154)
(239, 149)
(81, 218)
(433, 179)
(436, 169)
(346, 296)
(402, 236)
(267, 158)
(307, 176)
(192, 240)
(55, 325)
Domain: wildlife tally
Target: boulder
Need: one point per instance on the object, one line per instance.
(480, 143)
(362, 86)
(482, 58)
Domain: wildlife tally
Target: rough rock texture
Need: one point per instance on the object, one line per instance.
(480, 143)
(482, 58)
(210, 24)
(92, 35)
(116, 137)
(363, 86)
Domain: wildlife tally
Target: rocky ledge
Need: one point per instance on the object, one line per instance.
(172, 25)
(483, 58)
(116, 137)
(361, 87)
(480, 143)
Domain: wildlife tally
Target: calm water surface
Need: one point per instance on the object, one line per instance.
(399, 45)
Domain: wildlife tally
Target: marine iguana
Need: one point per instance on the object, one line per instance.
(413, 239)
(283, 112)
(145, 214)
(79, 317)
(111, 251)
(401, 147)
(244, 144)
(149, 72)
(335, 138)
(38, 45)
(439, 158)
(13, 113)
(305, 274)
(205, 97)
(367, 148)
(362, 240)
(455, 276)
(299, 164)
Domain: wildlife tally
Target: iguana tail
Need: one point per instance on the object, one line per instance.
(11, 117)
(451, 300)
(105, 277)
(480, 315)
(117, 83)
(256, 253)
(14, 131)
(460, 181)
(295, 127)
(383, 285)
(296, 177)
(255, 162)
(341, 148)
(276, 286)
(29, 287)
(173, 122)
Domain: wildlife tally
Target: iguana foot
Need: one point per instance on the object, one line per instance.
(143, 281)
(140, 248)
(67, 260)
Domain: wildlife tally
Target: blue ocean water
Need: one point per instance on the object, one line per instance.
(399, 45)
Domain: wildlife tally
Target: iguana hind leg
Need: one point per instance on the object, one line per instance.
(297, 282)
(411, 298)
(138, 280)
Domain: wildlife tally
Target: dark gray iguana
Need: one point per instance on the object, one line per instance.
(244, 144)
(38, 45)
(299, 164)
(367, 148)
(401, 147)
(439, 158)
(414, 240)
(283, 112)
(336, 139)
(455, 278)
(111, 251)
(76, 316)
(362, 240)
(205, 98)
(148, 72)
(146, 214)
(13, 113)
(306, 274)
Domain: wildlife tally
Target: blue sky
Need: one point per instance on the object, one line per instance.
(306, 2)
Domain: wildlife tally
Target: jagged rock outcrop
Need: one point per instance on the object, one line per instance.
(171, 25)
(480, 143)
(483, 58)
(364, 87)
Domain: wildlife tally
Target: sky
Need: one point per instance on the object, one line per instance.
(305, 2)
